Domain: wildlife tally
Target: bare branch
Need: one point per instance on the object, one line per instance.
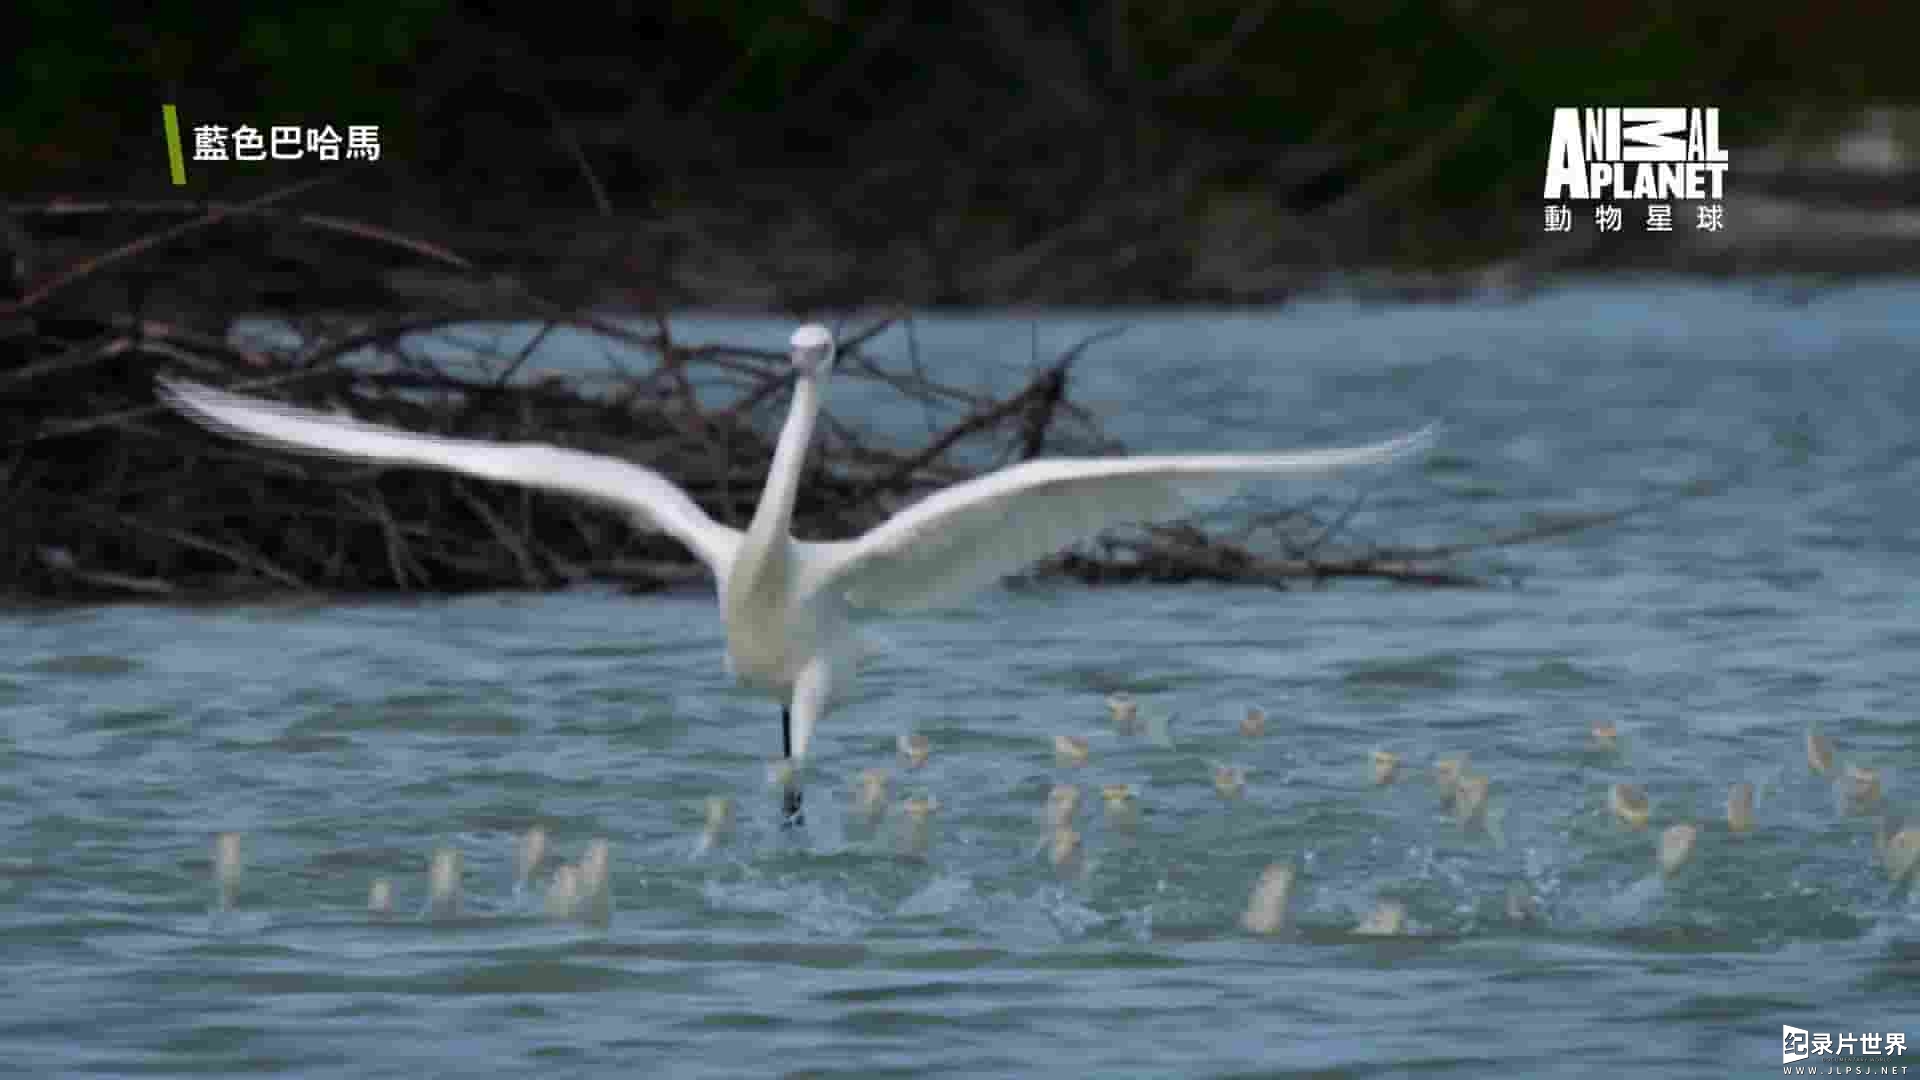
(149, 242)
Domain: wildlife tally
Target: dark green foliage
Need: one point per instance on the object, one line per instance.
(84, 94)
(864, 113)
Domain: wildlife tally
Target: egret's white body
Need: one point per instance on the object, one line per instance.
(787, 604)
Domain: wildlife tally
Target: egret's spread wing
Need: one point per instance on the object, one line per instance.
(970, 535)
(650, 498)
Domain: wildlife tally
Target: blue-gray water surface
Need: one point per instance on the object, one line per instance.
(347, 741)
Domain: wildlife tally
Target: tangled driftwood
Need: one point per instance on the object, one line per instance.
(111, 495)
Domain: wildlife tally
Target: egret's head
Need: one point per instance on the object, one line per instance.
(812, 349)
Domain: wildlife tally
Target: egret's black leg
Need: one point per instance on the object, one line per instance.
(790, 816)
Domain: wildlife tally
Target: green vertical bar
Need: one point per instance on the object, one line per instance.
(176, 160)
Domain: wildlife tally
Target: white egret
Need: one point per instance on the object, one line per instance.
(787, 604)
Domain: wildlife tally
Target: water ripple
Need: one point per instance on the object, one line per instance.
(347, 742)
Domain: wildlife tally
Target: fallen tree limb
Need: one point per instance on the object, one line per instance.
(138, 502)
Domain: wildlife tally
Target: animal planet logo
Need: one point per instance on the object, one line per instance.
(1636, 153)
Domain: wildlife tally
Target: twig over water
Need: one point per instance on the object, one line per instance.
(110, 494)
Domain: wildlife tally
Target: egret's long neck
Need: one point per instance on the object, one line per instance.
(759, 576)
(773, 519)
